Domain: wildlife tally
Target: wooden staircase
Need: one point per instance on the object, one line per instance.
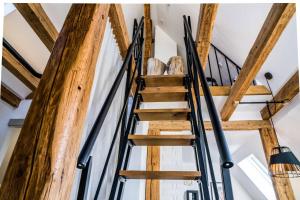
(162, 88)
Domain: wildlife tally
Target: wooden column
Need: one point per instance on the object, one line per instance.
(148, 36)
(44, 159)
(282, 186)
(153, 164)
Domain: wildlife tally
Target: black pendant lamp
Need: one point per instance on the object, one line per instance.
(283, 163)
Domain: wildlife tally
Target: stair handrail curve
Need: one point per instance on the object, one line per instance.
(95, 130)
(225, 156)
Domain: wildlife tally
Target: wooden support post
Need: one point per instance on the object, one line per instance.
(44, 159)
(153, 164)
(148, 36)
(37, 18)
(276, 21)
(207, 16)
(282, 186)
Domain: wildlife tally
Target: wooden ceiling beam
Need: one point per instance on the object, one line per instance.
(17, 69)
(276, 21)
(206, 23)
(148, 36)
(286, 93)
(37, 18)
(43, 163)
(9, 97)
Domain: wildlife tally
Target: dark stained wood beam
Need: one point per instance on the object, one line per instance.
(282, 186)
(206, 23)
(43, 162)
(286, 93)
(148, 36)
(276, 21)
(9, 97)
(17, 69)
(37, 18)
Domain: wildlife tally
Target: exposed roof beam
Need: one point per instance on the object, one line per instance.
(286, 93)
(277, 19)
(9, 97)
(225, 90)
(37, 18)
(16, 68)
(206, 23)
(119, 28)
(148, 36)
(227, 125)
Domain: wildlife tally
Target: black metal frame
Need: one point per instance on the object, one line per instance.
(127, 125)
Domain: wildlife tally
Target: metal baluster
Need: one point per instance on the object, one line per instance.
(220, 75)
(230, 78)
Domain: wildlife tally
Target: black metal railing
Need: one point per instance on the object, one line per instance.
(196, 73)
(221, 70)
(127, 124)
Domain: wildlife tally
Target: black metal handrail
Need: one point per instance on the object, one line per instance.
(91, 139)
(216, 124)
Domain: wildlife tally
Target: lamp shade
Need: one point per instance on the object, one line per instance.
(283, 163)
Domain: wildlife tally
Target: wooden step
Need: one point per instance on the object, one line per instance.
(164, 94)
(163, 114)
(161, 175)
(164, 80)
(162, 140)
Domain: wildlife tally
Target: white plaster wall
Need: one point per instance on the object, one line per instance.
(165, 47)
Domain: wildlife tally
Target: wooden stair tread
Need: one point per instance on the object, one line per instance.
(163, 114)
(164, 94)
(162, 140)
(161, 175)
(164, 80)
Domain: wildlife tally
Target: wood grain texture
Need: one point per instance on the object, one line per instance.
(227, 125)
(162, 140)
(118, 25)
(163, 94)
(148, 36)
(163, 114)
(161, 175)
(43, 162)
(9, 97)
(206, 21)
(17, 69)
(164, 80)
(37, 18)
(153, 164)
(286, 93)
(276, 21)
(282, 186)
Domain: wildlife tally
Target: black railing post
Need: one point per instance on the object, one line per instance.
(226, 182)
(216, 124)
(83, 189)
(220, 75)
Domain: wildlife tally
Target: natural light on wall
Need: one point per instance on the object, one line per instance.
(258, 174)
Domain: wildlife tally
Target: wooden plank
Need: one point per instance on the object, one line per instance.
(37, 18)
(164, 80)
(148, 37)
(17, 69)
(225, 90)
(161, 175)
(277, 19)
(43, 162)
(207, 16)
(282, 186)
(9, 97)
(286, 93)
(163, 114)
(162, 140)
(163, 94)
(153, 164)
(118, 25)
(227, 125)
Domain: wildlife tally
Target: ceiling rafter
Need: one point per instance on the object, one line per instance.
(276, 21)
(9, 97)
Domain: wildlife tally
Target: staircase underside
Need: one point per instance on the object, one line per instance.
(161, 175)
(162, 140)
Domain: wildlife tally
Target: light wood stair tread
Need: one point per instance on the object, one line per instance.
(162, 140)
(161, 175)
(164, 94)
(163, 114)
(164, 80)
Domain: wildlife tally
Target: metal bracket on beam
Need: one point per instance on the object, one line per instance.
(16, 123)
